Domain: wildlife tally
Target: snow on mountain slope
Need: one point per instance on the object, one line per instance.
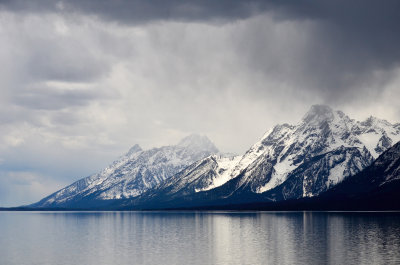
(290, 161)
(205, 174)
(320, 173)
(134, 173)
(322, 130)
(224, 170)
(377, 186)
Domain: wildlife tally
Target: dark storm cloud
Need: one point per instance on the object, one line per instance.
(350, 46)
(353, 41)
(142, 11)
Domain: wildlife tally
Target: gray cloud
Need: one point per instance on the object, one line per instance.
(142, 11)
(353, 39)
(23, 187)
(345, 43)
(51, 98)
(50, 51)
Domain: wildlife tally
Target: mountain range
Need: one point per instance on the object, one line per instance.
(290, 162)
(132, 174)
(377, 187)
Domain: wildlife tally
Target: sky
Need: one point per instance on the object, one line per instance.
(82, 81)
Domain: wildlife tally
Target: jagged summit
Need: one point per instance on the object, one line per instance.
(318, 113)
(374, 121)
(134, 149)
(133, 173)
(197, 141)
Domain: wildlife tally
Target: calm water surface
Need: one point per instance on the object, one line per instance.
(199, 238)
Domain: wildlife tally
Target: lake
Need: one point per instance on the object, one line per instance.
(199, 238)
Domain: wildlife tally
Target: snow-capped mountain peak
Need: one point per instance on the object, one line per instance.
(290, 161)
(318, 113)
(199, 142)
(134, 149)
(133, 173)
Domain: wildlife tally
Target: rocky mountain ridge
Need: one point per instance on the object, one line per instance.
(289, 162)
(132, 174)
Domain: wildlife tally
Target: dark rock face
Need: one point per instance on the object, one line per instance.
(384, 143)
(375, 188)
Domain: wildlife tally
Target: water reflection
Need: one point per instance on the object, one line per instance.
(199, 238)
